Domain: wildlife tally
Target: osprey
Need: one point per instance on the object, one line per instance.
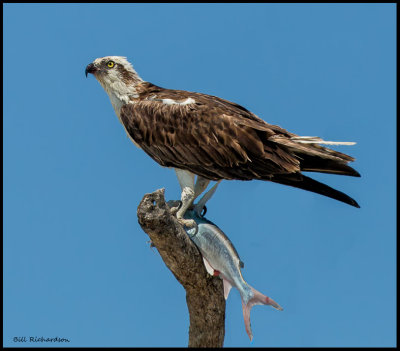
(212, 138)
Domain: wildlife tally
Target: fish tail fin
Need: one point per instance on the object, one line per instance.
(256, 299)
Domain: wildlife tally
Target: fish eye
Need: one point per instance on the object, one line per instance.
(110, 64)
(204, 211)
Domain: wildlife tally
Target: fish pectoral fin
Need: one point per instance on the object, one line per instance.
(227, 288)
(210, 270)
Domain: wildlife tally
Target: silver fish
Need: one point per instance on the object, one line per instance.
(221, 259)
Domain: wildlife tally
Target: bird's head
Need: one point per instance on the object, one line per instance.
(117, 77)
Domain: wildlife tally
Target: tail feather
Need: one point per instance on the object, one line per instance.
(306, 183)
(257, 299)
(309, 146)
(318, 140)
(323, 165)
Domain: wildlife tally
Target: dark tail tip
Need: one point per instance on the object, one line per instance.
(314, 186)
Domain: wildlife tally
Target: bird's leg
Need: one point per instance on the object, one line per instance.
(200, 186)
(187, 198)
(198, 208)
(186, 181)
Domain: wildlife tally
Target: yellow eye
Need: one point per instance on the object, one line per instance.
(110, 64)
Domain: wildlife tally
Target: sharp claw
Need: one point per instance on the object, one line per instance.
(196, 229)
(175, 209)
(189, 223)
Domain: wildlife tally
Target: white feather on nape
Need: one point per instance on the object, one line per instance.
(317, 140)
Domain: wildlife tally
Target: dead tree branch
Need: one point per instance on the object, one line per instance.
(204, 294)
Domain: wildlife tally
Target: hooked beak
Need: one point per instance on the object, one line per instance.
(90, 68)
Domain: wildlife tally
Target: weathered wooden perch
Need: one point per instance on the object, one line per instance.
(204, 293)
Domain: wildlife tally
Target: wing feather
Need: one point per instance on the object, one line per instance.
(218, 139)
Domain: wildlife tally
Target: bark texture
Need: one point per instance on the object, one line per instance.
(204, 293)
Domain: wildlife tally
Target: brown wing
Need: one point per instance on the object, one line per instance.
(207, 137)
(218, 139)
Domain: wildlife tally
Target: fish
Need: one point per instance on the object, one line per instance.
(221, 259)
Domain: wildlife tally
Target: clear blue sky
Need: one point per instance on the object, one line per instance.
(77, 264)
